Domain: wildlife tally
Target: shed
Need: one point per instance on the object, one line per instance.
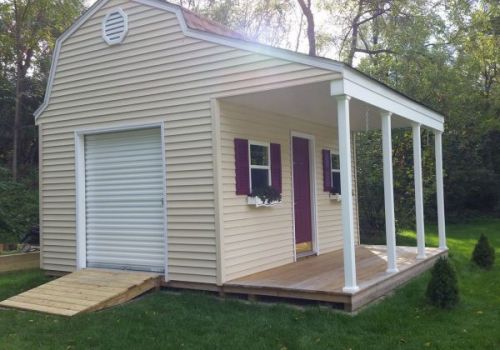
(172, 144)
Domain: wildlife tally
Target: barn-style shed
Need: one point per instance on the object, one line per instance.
(171, 144)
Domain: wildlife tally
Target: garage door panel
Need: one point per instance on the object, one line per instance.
(124, 200)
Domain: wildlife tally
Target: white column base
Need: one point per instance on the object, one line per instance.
(421, 257)
(350, 290)
(392, 270)
(443, 248)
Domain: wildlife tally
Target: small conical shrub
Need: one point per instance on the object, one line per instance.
(442, 290)
(483, 254)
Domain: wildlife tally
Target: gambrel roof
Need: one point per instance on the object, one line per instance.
(196, 26)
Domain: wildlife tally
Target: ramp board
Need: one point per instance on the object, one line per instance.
(84, 291)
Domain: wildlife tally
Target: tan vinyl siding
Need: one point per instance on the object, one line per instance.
(256, 239)
(156, 75)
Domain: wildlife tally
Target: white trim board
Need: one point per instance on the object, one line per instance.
(406, 104)
(386, 99)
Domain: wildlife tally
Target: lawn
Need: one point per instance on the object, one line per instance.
(167, 320)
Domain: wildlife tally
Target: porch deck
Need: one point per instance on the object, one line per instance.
(321, 278)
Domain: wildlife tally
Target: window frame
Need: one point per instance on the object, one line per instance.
(261, 167)
(332, 169)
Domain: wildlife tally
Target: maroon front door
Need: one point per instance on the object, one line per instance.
(302, 194)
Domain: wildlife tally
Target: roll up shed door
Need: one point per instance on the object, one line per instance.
(124, 200)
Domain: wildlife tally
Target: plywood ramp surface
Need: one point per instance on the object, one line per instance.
(84, 291)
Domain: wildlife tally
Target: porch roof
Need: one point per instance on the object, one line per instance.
(314, 102)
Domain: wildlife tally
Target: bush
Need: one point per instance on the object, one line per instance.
(483, 254)
(18, 208)
(442, 290)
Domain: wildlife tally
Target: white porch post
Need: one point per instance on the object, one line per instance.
(419, 198)
(439, 188)
(390, 226)
(344, 129)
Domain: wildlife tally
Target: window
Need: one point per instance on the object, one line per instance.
(335, 168)
(260, 165)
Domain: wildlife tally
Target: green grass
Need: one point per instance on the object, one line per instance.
(164, 320)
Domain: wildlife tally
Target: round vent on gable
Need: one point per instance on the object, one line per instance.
(115, 26)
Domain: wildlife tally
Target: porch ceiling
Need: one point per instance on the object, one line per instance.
(313, 102)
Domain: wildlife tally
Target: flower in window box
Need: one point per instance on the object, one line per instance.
(266, 196)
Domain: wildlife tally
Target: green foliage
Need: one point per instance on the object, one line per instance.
(18, 207)
(371, 184)
(448, 61)
(442, 290)
(267, 194)
(484, 254)
(28, 30)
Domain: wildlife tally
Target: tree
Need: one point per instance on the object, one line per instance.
(29, 29)
(305, 5)
(484, 253)
(442, 290)
(266, 21)
(449, 64)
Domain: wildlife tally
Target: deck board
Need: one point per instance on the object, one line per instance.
(84, 291)
(322, 277)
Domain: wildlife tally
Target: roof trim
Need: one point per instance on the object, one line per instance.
(347, 71)
(55, 56)
(376, 95)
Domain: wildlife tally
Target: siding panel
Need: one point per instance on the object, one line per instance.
(256, 239)
(155, 75)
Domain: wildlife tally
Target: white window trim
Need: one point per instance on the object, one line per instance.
(261, 167)
(332, 169)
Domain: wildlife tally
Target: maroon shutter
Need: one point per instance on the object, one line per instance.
(327, 170)
(241, 166)
(276, 166)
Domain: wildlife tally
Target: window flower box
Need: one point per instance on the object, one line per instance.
(258, 202)
(335, 197)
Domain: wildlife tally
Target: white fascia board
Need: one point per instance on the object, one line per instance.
(55, 56)
(357, 85)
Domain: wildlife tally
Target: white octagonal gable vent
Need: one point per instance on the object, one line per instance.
(115, 26)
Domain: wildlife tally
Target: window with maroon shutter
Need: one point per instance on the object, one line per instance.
(331, 172)
(242, 167)
(327, 172)
(260, 165)
(276, 166)
(335, 168)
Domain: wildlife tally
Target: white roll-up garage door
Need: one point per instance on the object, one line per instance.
(124, 200)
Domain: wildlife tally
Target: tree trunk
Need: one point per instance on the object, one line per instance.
(311, 37)
(17, 113)
(354, 33)
(17, 125)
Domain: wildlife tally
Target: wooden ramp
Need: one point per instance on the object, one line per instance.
(84, 291)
